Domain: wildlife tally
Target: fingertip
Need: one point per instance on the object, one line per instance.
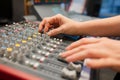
(71, 59)
(94, 63)
(45, 29)
(68, 48)
(49, 33)
(52, 33)
(62, 55)
(39, 30)
(40, 27)
(68, 60)
(72, 45)
(87, 62)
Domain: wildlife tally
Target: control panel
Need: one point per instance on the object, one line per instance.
(24, 49)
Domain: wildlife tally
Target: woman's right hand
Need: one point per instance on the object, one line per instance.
(58, 24)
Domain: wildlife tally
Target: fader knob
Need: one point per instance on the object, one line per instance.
(11, 44)
(4, 36)
(10, 34)
(14, 55)
(72, 66)
(2, 50)
(8, 53)
(69, 74)
(6, 43)
(21, 58)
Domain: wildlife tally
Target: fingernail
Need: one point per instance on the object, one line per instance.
(67, 48)
(86, 61)
(60, 54)
(68, 59)
(49, 33)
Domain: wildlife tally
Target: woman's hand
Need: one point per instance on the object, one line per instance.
(58, 24)
(97, 52)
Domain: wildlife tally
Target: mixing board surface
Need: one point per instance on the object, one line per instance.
(37, 54)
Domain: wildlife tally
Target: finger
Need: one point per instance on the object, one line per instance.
(94, 63)
(47, 26)
(101, 63)
(69, 52)
(76, 50)
(82, 41)
(56, 31)
(41, 26)
(89, 53)
(44, 22)
(53, 20)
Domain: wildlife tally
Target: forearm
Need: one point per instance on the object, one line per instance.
(100, 27)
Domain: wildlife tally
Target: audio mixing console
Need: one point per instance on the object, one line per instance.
(27, 54)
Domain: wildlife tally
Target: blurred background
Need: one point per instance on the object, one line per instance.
(14, 10)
